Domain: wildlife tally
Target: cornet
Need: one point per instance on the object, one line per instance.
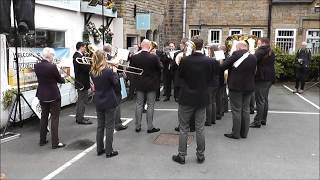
(124, 68)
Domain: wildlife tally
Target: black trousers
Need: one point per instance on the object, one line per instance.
(301, 73)
(168, 78)
(54, 109)
(240, 107)
(24, 10)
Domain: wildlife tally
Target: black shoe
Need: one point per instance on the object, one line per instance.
(213, 123)
(207, 124)
(178, 159)
(43, 143)
(251, 112)
(121, 127)
(230, 136)
(253, 125)
(218, 118)
(263, 123)
(192, 130)
(157, 99)
(113, 153)
(200, 159)
(60, 145)
(101, 152)
(84, 122)
(177, 129)
(176, 99)
(153, 130)
(166, 99)
(138, 130)
(144, 111)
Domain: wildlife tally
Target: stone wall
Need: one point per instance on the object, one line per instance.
(157, 11)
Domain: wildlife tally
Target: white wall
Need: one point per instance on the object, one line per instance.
(63, 20)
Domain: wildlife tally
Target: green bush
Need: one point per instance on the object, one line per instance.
(285, 69)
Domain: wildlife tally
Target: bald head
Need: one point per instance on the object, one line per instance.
(304, 44)
(145, 45)
(242, 45)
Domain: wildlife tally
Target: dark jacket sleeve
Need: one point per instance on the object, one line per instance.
(57, 75)
(229, 62)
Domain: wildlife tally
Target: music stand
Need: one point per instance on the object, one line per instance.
(19, 96)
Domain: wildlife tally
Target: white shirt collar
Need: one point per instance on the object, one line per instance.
(80, 53)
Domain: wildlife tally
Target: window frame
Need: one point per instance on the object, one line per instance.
(192, 30)
(235, 29)
(209, 36)
(317, 38)
(261, 30)
(294, 37)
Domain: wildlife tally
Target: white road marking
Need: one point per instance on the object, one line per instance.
(272, 112)
(95, 117)
(79, 156)
(308, 101)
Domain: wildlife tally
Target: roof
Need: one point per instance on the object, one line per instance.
(292, 1)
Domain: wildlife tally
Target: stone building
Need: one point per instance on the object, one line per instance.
(129, 10)
(286, 22)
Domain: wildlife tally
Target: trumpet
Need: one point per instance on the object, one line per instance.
(119, 67)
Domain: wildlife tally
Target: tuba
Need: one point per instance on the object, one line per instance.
(231, 42)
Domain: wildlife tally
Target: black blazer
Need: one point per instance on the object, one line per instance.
(48, 77)
(149, 80)
(241, 78)
(195, 72)
(81, 72)
(265, 64)
(105, 95)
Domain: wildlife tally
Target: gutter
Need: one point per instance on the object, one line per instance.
(269, 19)
(184, 18)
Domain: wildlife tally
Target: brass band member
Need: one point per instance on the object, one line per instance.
(147, 84)
(264, 78)
(49, 96)
(195, 72)
(105, 81)
(81, 72)
(118, 123)
(242, 67)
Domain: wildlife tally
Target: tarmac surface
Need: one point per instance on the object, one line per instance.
(287, 148)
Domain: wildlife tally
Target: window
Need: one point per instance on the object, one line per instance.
(313, 40)
(215, 36)
(257, 32)
(194, 32)
(235, 31)
(286, 39)
(40, 39)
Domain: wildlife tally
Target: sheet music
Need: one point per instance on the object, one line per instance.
(219, 55)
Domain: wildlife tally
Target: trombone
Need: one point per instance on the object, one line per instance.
(123, 68)
(73, 82)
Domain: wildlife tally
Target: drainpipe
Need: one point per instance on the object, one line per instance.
(269, 18)
(184, 18)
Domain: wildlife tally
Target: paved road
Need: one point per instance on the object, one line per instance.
(287, 148)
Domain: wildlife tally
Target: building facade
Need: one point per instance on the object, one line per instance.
(286, 22)
(289, 21)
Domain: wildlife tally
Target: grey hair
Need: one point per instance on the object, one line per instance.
(48, 53)
(107, 47)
